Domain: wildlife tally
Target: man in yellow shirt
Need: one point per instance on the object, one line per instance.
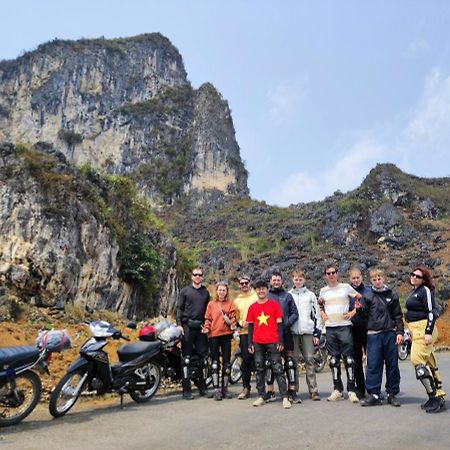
(246, 297)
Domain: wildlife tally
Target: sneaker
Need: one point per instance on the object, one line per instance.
(244, 394)
(293, 397)
(353, 397)
(335, 396)
(226, 393)
(436, 405)
(315, 397)
(187, 395)
(217, 394)
(269, 396)
(259, 401)
(371, 400)
(393, 400)
(286, 403)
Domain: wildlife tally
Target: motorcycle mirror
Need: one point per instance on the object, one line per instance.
(131, 325)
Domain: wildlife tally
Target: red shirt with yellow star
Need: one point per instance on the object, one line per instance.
(264, 318)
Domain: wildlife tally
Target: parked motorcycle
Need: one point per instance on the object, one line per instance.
(170, 357)
(405, 349)
(137, 374)
(20, 385)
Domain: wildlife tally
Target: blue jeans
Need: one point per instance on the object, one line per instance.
(382, 349)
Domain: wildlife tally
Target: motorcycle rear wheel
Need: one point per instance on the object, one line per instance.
(16, 404)
(153, 376)
(67, 392)
(236, 373)
(320, 359)
(402, 351)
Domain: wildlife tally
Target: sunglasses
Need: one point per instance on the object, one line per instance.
(330, 273)
(415, 275)
(243, 283)
(197, 274)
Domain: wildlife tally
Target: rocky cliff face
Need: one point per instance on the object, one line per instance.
(62, 239)
(124, 106)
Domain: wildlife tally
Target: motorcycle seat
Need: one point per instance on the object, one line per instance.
(18, 356)
(129, 352)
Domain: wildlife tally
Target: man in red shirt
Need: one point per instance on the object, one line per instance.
(265, 337)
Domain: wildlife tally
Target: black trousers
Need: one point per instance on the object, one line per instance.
(263, 351)
(247, 362)
(359, 347)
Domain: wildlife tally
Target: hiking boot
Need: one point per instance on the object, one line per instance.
(371, 400)
(315, 397)
(217, 394)
(205, 393)
(259, 401)
(293, 397)
(335, 396)
(187, 395)
(436, 404)
(244, 394)
(226, 393)
(286, 403)
(353, 397)
(393, 400)
(269, 396)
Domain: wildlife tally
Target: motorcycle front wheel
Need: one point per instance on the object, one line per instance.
(402, 351)
(236, 373)
(17, 402)
(152, 379)
(67, 392)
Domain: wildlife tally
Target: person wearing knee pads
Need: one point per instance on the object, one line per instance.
(191, 307)
(265, 335)
(246, 297)
(220, 322)
(290, 316)
(421, 318)
(382, 309)
(336, 301)
(306, 330)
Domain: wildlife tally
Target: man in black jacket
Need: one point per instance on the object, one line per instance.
(191, 309)
(384, 332)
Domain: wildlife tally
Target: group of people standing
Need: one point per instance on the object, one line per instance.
(277, 327)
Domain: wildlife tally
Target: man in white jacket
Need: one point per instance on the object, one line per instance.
(306, 331)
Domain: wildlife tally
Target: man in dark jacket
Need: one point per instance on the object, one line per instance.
(359, 332)
(384, 332)
(191, 308)
(290, 316)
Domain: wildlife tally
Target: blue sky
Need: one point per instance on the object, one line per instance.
(320, 91)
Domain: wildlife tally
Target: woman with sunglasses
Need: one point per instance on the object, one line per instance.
(421, 318)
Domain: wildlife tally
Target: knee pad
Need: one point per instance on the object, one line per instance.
(227, 369)
(334, 362)
(291, 370)
(186, 363)
(349, 361)
(215, 366)
(424, 374)
(187, 360)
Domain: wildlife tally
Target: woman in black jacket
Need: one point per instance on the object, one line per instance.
(421, 318)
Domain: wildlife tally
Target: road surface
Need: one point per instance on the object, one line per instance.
(168, 422)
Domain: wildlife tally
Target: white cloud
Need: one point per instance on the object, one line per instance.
(416, 48)
(284, 99)
(345, 173)
(421, 147)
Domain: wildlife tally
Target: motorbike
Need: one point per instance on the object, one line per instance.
(170, 358)
(320, 359)
(138, 373)
(20, 384)
(405, 349)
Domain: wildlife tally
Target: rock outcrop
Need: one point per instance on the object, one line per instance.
(126, 107)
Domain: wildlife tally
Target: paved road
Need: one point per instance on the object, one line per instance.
(167, 422)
